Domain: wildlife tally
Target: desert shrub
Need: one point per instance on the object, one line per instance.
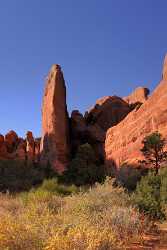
(163, 189)
(31, 223)
(52, 185)
(82, 238)
(84, 168)
(151, 194)
(104, 207)
(17, 176)
(128, 177)
(101, 218)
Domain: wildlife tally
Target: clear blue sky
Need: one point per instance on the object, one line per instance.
(105, 47)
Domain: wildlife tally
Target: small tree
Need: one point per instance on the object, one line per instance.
(84, 168)
(153, 150)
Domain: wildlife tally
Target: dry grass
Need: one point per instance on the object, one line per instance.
(100, 219)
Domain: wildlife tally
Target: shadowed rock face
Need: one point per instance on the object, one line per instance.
(78, 130)
(108, 111)
(55, 131)
(124, 141)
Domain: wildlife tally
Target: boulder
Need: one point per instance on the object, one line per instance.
(124, 141)
(55, 124)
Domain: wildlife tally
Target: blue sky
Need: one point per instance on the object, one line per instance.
(105, 47)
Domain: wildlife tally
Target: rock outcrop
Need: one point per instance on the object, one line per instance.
(164, 73)
(78, 130)
(11, 141)
(114, 126)
(55, 128)
(124, 141)
(13, 147)
(32, 148)
(3, 148)
(140, 95)
(108, 111)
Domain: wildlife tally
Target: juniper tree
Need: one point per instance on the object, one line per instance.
(153, 150)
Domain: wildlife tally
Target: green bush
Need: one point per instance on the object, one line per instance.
(52, 186)
(84, 168)
(151, 194)
(128, 177)
(17, 176)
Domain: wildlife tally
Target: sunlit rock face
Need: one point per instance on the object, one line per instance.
(124, 141)
(139, 95)
(55, 129)
(164, 73)
(13, 147)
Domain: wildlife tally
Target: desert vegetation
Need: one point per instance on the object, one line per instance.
(82, 209)
(102, 217)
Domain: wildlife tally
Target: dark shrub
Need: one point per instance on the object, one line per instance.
(18, 176)
(128, 177)
(84, 168)
(149, 195)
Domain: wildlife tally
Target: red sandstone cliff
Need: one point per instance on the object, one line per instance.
(123, 141)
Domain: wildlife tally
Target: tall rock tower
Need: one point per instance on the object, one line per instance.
(55, 128)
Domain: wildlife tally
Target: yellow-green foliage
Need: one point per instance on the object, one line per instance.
(83, 237)
(100, 219)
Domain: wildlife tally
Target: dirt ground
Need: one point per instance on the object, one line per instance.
(156, 240)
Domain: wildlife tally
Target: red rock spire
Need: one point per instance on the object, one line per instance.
(54, 143)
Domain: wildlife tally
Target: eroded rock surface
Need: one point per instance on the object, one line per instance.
(55, 128)
(13, 147)
(124, 141)
(140, 95)
(164, 74)
(11, 141)
(108, 111)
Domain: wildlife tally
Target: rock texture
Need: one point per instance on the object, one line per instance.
(14, 148)
(30, 146)
(140, 95)
(55, 129)
(124, 141)
(108, 111)
(164, 74)
(3, 148)
(11, 141)
(78, 130)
